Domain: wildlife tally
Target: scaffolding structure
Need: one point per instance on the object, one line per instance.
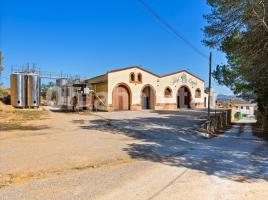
(45, 74)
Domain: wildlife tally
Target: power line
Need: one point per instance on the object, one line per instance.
(171, 28)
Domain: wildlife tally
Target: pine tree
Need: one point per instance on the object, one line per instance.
(239, 28)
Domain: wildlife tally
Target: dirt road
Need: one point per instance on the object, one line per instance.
(135, 155)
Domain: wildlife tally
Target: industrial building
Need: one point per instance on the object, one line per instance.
(66, 89)
(135, 88)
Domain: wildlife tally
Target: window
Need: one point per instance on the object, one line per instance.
(197, 93)
(242, 107)
(132, 77)
(168, 92)
(247, 107)
(139, 78)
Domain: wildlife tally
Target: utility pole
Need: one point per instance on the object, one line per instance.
(209, 83)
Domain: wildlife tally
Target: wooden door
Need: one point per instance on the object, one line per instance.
(121, 98)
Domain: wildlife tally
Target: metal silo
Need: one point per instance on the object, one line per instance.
(61, 81)
(18, 90)
(33, 90)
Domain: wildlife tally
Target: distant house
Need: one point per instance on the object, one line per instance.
(238, 105)
(246, 108)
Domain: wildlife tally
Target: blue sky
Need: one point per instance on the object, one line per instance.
(91, 37)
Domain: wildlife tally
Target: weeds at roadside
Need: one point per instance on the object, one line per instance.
(13, 119)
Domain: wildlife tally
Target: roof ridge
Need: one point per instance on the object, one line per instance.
(159, 76)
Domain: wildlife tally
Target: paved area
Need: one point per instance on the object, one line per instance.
(133, 155)
(246, 120)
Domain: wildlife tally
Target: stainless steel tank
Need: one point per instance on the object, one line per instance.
(33, 90)
(18, 90)
(61, 82)
(62, 95)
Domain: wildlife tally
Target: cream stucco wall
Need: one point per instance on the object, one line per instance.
(174, 81)
(115, 78)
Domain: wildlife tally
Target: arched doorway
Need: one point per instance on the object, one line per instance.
(148, 97)
(121, 98)
(184, 97)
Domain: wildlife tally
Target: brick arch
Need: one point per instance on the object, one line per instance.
(132, 77)
(153, 93)
(116, 99)
(187, 99)
(171, 92)
(139, 76)
(198, 93)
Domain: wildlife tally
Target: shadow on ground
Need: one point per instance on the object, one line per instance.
(169, 139)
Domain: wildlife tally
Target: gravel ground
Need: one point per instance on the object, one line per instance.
(131, 155)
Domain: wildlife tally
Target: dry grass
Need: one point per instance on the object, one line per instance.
(22, 115)
(13, 119)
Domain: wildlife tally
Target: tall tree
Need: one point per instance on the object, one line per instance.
(240, 29)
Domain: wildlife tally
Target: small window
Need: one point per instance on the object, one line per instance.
(168, 92)
(139, 77)
(242, 107)
(132, 77)
(197, 93)
(247, 107)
